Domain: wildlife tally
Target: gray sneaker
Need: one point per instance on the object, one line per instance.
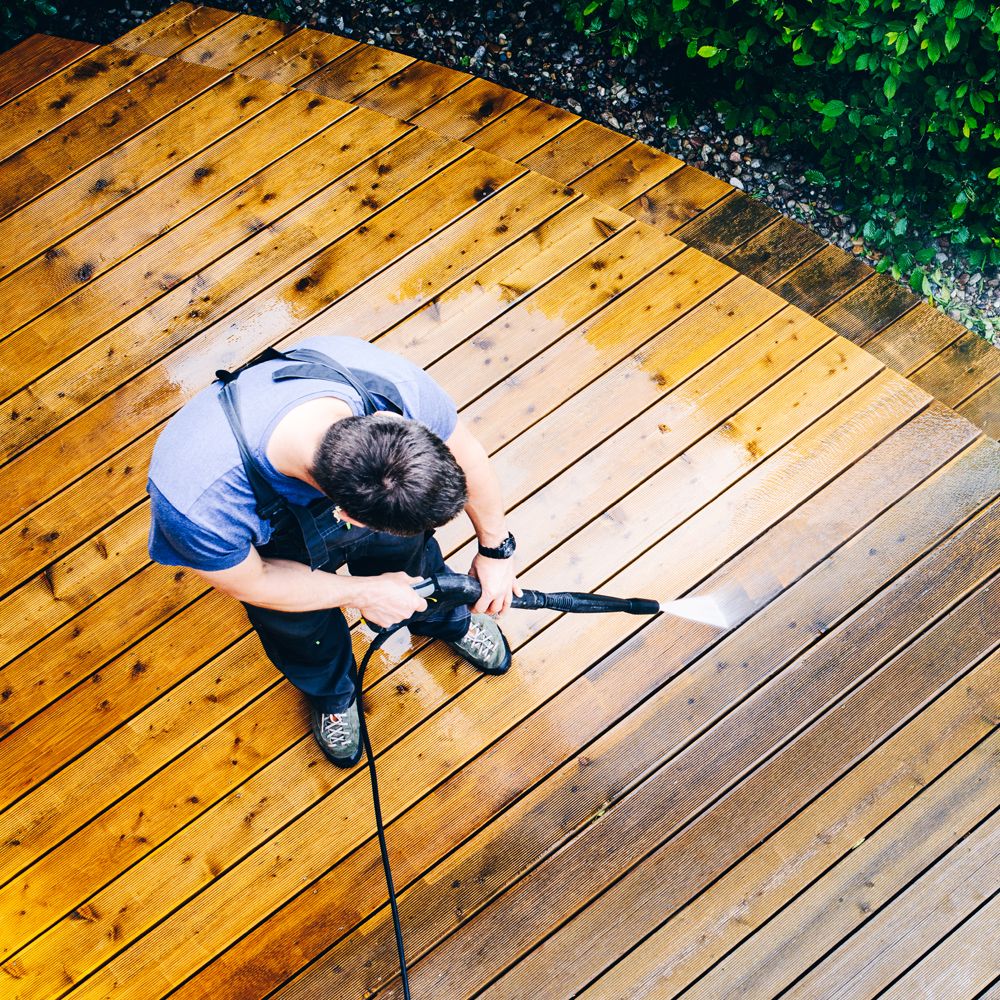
(484, 646)
(338, 735)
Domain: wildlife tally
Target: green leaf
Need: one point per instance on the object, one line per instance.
(815, 177)
(889, 87)
(916, 280)
(834, 109)
(680, 5)
(591, 7)
(963, 8)
(803, 59)
(994, 174)
(707, 51)
(951, 38)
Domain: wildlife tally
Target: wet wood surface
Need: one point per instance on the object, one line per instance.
(799, 805)
(656, 188)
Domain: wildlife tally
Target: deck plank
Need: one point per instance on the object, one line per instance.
(359, 70)
(297, 56)
(56, 100)
(927, 910)
(119, 315)
(822, 838)
(567, 879)
(95, 132)
(413, 89)
(960, 370)
(35, 59)
(235, 42)
(78, 200)
(765, 963)
(774, 251)
(468, 109)
(983, 408)
(175, 28)
(961, 965)
(662, 423)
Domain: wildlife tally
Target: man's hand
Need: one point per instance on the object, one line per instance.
(499, 583)
(389, 598)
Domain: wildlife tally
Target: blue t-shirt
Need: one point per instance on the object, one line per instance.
(203, 511)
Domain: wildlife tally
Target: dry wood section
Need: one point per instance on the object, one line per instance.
(803, 805)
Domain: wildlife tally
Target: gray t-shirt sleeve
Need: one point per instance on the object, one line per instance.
(430, 404)
(177, 540)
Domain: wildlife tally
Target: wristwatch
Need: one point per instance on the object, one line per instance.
(503, 551)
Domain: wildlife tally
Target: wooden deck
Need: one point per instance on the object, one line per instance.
(804, 806)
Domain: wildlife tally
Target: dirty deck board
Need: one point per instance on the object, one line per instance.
(656, 188)
(662, 424)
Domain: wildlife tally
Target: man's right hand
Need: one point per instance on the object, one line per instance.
(389, 598)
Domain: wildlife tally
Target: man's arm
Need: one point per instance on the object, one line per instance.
(486, 511)
(284, 585)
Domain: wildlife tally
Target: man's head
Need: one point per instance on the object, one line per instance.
(390, 474)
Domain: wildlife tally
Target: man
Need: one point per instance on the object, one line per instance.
(337, 452)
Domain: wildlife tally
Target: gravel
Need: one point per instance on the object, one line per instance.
(527, 45)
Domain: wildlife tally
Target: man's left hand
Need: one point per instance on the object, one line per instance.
(499, 583)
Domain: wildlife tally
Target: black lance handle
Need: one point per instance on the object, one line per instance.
(447, 590)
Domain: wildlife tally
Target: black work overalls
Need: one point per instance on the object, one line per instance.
(313, 648)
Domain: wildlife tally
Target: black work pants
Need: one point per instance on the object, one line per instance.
(313, 648)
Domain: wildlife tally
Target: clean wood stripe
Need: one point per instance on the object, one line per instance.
(684, 946)
(567, 880)
(634, 900)
(963, 963)
(926, 911)
(34, 60)
(765, 964)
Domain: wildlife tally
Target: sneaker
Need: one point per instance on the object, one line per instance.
(484, 646)
(338, 735)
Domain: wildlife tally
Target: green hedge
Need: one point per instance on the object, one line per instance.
(21, 17)
(899, 99)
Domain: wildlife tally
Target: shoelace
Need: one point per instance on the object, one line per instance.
(334, 729)
(479, 640)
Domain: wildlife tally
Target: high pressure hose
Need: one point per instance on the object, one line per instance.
(451, 590)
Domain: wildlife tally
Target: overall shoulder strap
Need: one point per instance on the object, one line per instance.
(270, 503)
(314, 364)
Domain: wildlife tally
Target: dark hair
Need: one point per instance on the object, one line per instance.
(390, 474)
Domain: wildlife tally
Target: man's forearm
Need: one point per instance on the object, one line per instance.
(485, 508)
(285, 585)
(485, 503)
